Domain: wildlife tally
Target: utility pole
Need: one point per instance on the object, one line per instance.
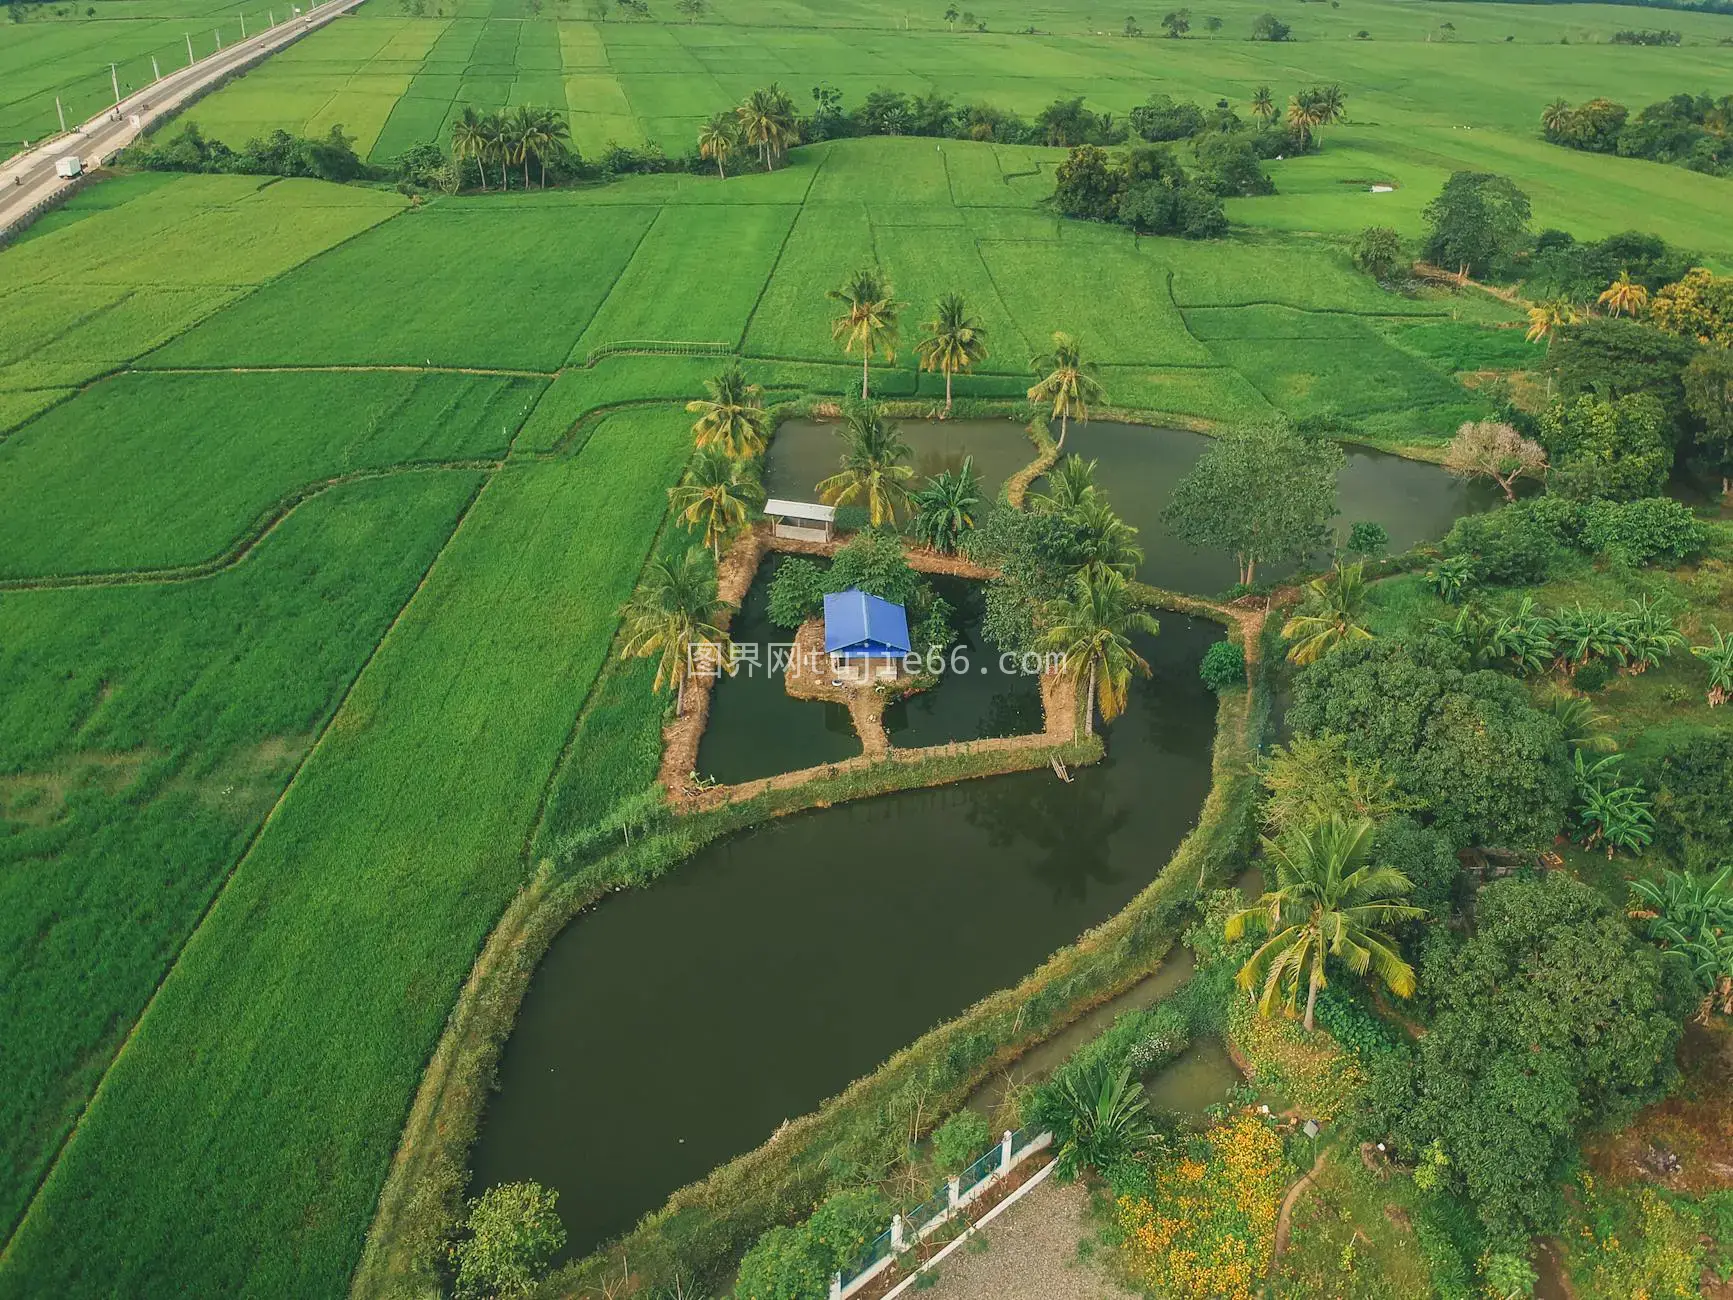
(243, 27)
(219, 35)
(272, 15)
(191, 57)
(114, 77)
(155, 72)
(62, 113)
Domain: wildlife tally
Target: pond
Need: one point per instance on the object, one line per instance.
(805, 451)
(756, 728)
(674, 1028)
(1139, 465)
(1193, 1081)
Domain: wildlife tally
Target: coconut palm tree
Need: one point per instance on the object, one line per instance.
(1331, 615)
(717, 139)
(732, 418)
(1547, 318)
(1263, 104)
(953, 341)
(496, 142)
(1091, 630)
(717, 495)
(673, 616)
(546, 136)
(1070, 384)
(1624, 295)
(946, 507)
(1555, 116)
(1069, 484)
(1330, 104)
(874, 469)
(1327, 903)
(469, 139)
(868, 320)
(767, 121)
(1304, 117)
(1104, 540)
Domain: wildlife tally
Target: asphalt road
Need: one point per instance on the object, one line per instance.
(28, 179)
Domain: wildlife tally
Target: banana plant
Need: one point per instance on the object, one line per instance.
(1471, 632)
(1719, 656)
(1651, 635)
(1690, 917)
(1526, 639)
(1451, 578)
(1609, 813)
(1580, 635)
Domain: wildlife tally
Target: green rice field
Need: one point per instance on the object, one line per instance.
(315, 518)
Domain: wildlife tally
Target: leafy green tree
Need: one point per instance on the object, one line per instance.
(1478, 222)
(673, 617)
(1550, 1021)
(1619, 358)
(785, 1264)
(1693, 785)
(1312, 779)
(1070, 382)
(1091, 629)
(796, 592)
(1086, 186)
(952, 341)
(1329, 902)
(732, 419)
(868, 320)
(510, 1237)
(1368, 538)
(1482, 763)
(1377, 250)
(1036, 557)
(1177, 23)
(1617, 450)
(1267, 27)
(1263, 492)
(1698, 306)
(1330, 617)
(716, 496)
(874, 469)
(1708, 385)
(874, 561)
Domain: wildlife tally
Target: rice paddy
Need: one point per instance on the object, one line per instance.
(315, 515)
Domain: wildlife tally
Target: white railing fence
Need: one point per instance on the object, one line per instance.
(947, 1201)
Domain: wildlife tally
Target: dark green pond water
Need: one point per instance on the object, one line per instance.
(673, 1028)
(1138, 468)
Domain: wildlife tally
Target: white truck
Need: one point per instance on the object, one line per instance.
(68, 167)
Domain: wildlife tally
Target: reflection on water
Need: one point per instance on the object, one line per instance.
(805, 451)
(674, 1028)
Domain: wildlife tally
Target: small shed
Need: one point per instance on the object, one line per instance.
(802, 521)
(866, 638)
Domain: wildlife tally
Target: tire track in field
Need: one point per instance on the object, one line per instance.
(246, 851)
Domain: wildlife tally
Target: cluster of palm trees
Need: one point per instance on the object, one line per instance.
(1623, 297)
(1307, 111)
(953, 342)
(511, 138)
(765, 121)
(675, 614)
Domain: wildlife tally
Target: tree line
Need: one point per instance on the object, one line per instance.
(1694, 131)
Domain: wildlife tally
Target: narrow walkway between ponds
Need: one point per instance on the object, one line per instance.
(1031, 1254)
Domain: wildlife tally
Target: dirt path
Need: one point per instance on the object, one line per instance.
(1285, 1219)
(1031, 1254)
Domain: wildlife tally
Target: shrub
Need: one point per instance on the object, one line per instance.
(1223, 665)
(1592, 676)
(960, 1140)
(1368, 538)
(784, 1265)
(1693, 786)
(513, 1233)
(1426, 857)
(796, 592)
(1643, 531)
(1510, 548)
(1377, 250)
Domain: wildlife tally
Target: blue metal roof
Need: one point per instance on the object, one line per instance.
(860, 625)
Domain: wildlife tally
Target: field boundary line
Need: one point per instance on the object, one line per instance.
(585, 422)
(396, 369)
(240, 550)
(228, 876)
(613, 284)
(775, 265)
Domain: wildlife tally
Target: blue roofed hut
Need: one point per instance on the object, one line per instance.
(866, 638)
